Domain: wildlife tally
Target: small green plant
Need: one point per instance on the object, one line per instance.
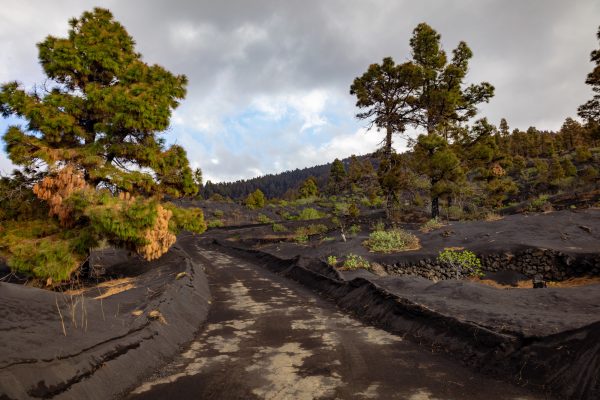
(391, 240)
(301, 237)
(332, 260)
(354, 229)
(354, 261)
(309, 213)
(463, 261)
(263, 219)
(431, 225)
(279, 228)
(540, 203)
(215, 223)
(218, 214)
(354, 211)
(303, 233)
(378, 226)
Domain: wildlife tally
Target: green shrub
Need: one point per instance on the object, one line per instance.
(582, 154)
(354, 229)
(279, 228)
(540, 203)
(353, 211)
(218, 214)
(431, 225)
(215, 223)
(263, 219)
(378, 226)
(303, 233)
(354, 261)
(309, 213)
(462, 261)
(455, 213)
(332, 260)
(255, 200)
(391, 240)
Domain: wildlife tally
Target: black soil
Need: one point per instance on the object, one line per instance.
(107, 344)
(269, 338)
(545, 338)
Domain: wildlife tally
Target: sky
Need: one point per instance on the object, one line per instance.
(269, 80)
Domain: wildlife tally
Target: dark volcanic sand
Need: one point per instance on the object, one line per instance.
(269, 338)
(110, 343)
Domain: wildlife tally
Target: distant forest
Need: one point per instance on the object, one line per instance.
(277, 185)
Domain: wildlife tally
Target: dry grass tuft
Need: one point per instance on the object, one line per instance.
(114, 287)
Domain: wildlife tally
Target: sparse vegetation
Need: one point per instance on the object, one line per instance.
(332, 260)
(309, 213)
(391, 240)
(463, 261)
(263, 219)
(353, 262)
(431, 225)
(279, 228)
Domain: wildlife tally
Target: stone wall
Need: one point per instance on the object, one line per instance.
(551, 264)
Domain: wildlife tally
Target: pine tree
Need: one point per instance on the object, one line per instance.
(443, 101)
(309, 188)
(92, 139)
(337, 176)
(435, 159)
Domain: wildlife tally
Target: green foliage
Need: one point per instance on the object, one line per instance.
(590, 111)
(337, 176)
(332, 260)
(569, 168)
(310, 213)
(354, 229)
(263, 219)
(462, 260)
(255, 200)
(279, 228)
(216, 223)
(103, 109)
(540, 203)
(312, 229)
(95, 126)
(391, 241)
(582, 154)
(218, 214)
(38, 248)
(353, 211)
(353, 262)
(431, 225)
(378, 226)
(309, 188)
(189, 219)
(440, 164)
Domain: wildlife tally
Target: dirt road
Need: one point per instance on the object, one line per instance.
(269, 338)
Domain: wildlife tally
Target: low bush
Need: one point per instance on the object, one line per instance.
(263, 219)
(354, 229)
(431, 225)
(354, 261)
(303, 233)
(332, 260)
(218, 214)
(463, 261)
(215, 223)
(309, 213)
(391, 240)
(279, 228)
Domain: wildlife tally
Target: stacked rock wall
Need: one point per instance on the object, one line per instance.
(551, 264)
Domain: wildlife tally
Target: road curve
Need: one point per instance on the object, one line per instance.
(267, 337)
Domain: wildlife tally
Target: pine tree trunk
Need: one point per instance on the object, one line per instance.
(435, 207)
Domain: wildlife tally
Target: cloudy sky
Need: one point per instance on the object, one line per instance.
(269, 80)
